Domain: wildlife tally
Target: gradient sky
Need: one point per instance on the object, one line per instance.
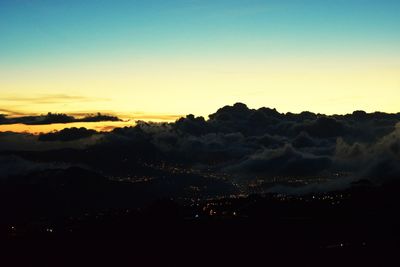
(160, 57)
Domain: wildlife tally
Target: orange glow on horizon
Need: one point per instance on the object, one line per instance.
(104, 126)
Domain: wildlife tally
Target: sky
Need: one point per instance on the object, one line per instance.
(161, 59)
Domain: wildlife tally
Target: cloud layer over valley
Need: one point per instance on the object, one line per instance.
(237, 142)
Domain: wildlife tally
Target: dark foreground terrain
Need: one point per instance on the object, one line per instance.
(358, 227)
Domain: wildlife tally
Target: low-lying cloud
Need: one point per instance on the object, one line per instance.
(52, 118)
(247, 144)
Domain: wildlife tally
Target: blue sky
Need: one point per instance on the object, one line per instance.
(55, 29)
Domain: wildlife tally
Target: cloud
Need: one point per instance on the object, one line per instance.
(11, 142)
(378, 162)
(97, 118)
(323, 127)
(240, 142)
(304, 140)
(283, 161)
(3, 118)
(52, 118)
(106, 128)
(67, 134)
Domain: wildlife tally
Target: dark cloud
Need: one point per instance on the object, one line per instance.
(67, 134)
(284, 161)
(304, 140)
(97, 118)
(3, 119)
(51, 118)
(192, 125)
(323, 127)
(10, 142)
(379, 161)
(236, 141)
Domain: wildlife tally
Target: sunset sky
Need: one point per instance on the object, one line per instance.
(159, 59)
